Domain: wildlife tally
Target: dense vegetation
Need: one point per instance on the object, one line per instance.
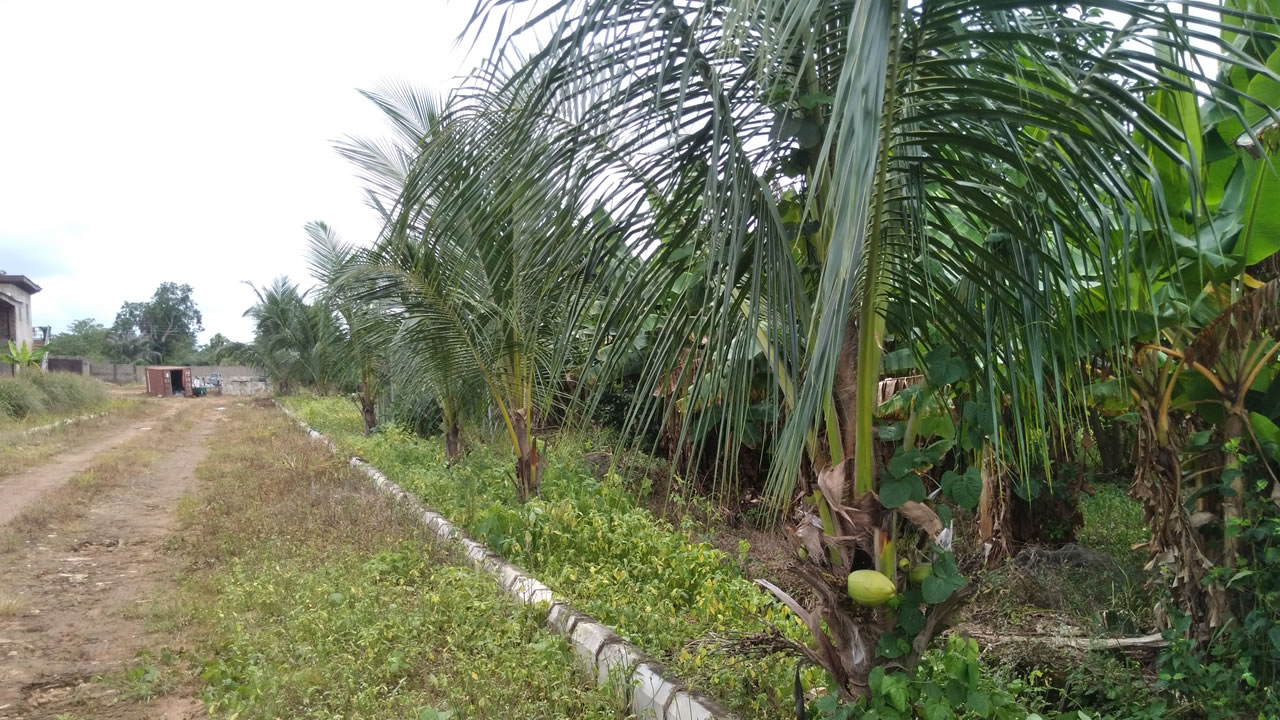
(33, 393)
(911, 278)
(593, 542)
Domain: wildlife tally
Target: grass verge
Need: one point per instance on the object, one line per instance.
(594, 544)
(309, 595)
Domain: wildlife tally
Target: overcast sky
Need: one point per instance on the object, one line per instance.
(143, 142)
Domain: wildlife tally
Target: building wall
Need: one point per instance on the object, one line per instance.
(6, 332)
(126, 374)
(245, 385)
(113, 373)
(78, 366)
(22, 331)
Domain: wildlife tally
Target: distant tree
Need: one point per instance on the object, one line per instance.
(168, 322)
(130, 348)
(85, 337)
(221, 349)
(294, 341)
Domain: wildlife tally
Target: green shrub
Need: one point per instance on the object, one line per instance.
(64, 392)
(1237, 672)
(950, 683)
(1113, 522)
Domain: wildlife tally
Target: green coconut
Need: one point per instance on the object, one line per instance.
(870, 588)
(920, 572)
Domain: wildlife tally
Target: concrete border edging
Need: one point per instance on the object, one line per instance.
(651, 693)
(65, 421)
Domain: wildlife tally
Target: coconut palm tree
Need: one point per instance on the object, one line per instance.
(366, 328)
(130, 348)
(818, 180)
(480, 303)
(294, 340)
(999, 154)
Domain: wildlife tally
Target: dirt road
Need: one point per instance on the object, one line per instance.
(78, 597)
(17, 491)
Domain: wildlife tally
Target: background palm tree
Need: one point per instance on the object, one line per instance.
(478, 299)
(130, 348)
(365, 330)
(294, 341)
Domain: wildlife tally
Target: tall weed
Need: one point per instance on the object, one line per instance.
(34, 393)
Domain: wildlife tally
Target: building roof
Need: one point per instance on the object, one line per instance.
(21, 281)
(168, 367)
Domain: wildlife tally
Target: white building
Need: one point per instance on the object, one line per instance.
(15, 313)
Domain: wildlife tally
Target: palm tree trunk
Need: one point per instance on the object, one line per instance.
(527, 460)
(368, 413)
(451, 441)
(368, 404)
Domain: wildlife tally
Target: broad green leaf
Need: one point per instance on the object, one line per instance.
(935, 425)
(944, 514)
(964, 489)
(936, 590)
(1260, 213)
(875, 680)
(896, 491)
(942, 367)
(1268, 434)
(979, 703)
(1264, 89)
(910, 618)
(905, 460)
(937, 710)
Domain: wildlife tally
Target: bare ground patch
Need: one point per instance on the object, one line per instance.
(32, 463)
(82, 563)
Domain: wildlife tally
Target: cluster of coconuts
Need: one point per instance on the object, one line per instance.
(872, 588)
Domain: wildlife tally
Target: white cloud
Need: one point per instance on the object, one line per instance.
(142, 142)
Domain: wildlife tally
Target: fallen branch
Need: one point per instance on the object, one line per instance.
(1145, 642)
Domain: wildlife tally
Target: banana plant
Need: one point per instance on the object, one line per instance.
(1206, 349)
(22, 357)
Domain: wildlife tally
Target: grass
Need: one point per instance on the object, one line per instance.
(1097, 589)
(592, 542)
(9, 605)
(20, 450)
(34, 394)
(309, 595)
(1113, 522)
(148, 677)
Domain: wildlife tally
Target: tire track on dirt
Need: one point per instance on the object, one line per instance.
(19, 490)
(82, 592)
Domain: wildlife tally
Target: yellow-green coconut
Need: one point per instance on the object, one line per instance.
(870, 588)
